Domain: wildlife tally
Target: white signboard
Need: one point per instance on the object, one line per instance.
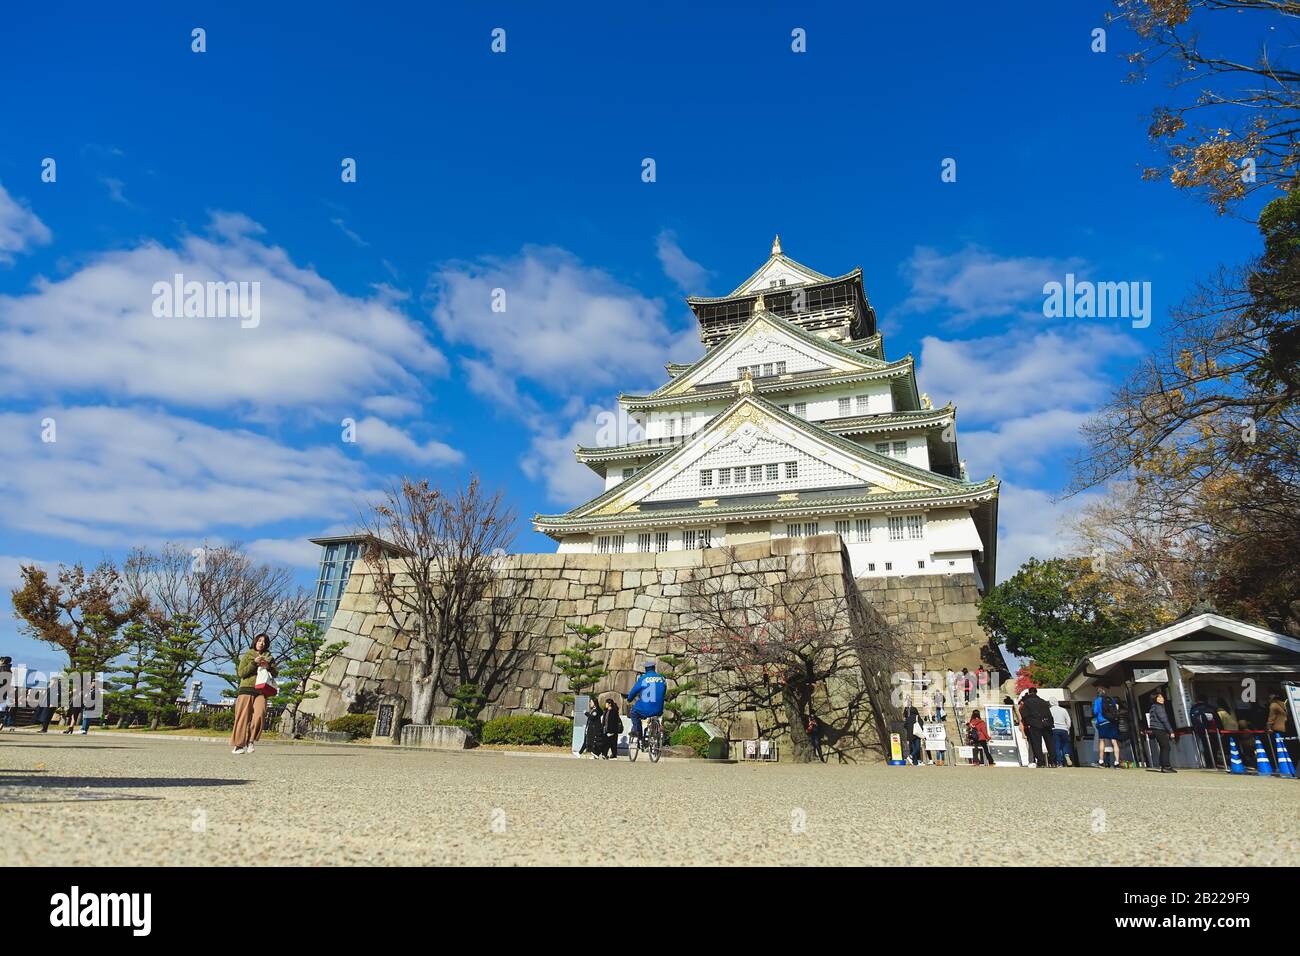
(936, 737)
(1150, 675)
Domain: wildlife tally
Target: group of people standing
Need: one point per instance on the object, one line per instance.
(603, 727)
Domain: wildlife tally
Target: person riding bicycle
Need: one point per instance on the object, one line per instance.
(647, 698)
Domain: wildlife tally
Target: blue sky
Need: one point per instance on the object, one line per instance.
(522, 170)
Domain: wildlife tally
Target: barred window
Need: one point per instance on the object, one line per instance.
(755, 473)
(916, 526)
(780, 368)
(792, 531)
(801, 409)
(846, 407)
(882, 448)
(724, 476)
(616, 546)
(863, 529)
(706, 537)
(767, 368)
(688, 539)
(900, 449)
(706, 478)
(661, 540)
(643, 543)
(895, 528)
(842, 529)
(792, 469)
(772, 472)
(864, 404)
(811, 528)
(602, 544)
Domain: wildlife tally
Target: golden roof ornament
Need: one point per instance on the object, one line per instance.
(925, 401)
(776, 245)
(746, 384)
(759, 304)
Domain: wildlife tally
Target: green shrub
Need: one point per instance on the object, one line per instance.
(221, 719)
(356, 725)
(475, 727)
(197, 721)
(528, 730)
(693, 736)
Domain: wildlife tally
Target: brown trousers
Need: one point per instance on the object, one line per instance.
(250, 711)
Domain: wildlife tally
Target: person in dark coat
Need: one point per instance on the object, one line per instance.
(911, 742)
(1162, 730)
(613, 726)
(1036, 716)
(593, 740)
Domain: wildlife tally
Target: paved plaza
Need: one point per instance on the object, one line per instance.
(119, 799)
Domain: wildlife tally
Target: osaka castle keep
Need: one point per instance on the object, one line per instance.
(792, 424)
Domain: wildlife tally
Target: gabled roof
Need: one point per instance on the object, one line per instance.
(750, 409)
(839, 358)
(1214, 624)
(855, 425)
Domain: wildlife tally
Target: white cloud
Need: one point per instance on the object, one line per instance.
(117, 476)
(975, 284)
(567, 327)
(1021, 445)
(1019, 373)
(293, 552)
(374, 435)
(550, 458)
(20, 229)
(689, 275)
(1031, 524)
(94, 333)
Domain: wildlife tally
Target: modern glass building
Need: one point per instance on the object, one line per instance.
(338, 552)
(337, 555)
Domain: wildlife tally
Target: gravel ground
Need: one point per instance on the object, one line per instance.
(127, 801)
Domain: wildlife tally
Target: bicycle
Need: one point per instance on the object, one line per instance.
(651, 740)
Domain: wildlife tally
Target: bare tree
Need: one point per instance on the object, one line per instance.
(788, 646)
(433, 557)
(229, 597)
(500, 641)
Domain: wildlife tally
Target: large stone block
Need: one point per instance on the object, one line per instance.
(436, 737)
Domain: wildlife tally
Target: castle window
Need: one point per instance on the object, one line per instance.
(864, 404)
(863, 529)
(791, 469)
(916, 526)
(895, 529)
(900, 449)
(724, 476)
(780, 368)
(755, 473)
(740, 475)
(706, 478)
(772, 472)
(643, 543)
(846, 407)
(661, 540)
(801, 409)
(882, 448)
(842, 529)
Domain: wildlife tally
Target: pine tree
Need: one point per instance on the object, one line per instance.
(123, 693)
(578, 662)
(307, 659)
(174, 657)
(677, 671)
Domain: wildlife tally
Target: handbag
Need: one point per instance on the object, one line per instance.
(265, 683)
(918, 730)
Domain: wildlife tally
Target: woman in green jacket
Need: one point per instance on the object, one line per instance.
(250, 703)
